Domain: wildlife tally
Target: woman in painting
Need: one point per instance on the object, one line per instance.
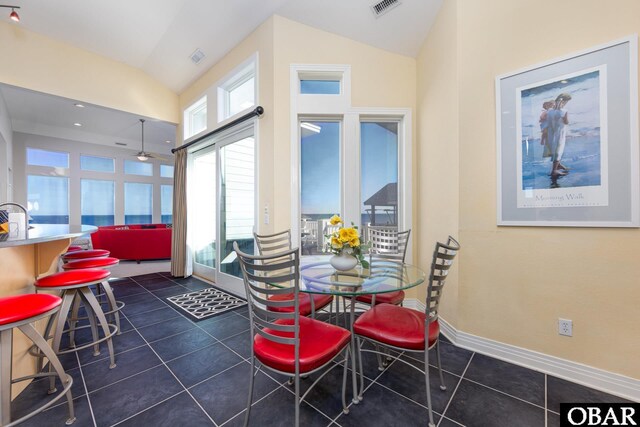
(558, 120)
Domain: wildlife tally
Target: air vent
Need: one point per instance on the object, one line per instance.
(384, 6)
(121, 144)
(197, 56)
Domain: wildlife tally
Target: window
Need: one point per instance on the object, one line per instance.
(53, 159)
(132, 167)
(238, 91)
(379, 174)
(320, 87)
(97, 202)
(195, 118)
(138, 203)
(166, 171)
(48, 199)
(97, 164)
(166, 204)
(319, 177)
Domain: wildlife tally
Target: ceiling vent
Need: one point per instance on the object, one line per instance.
(121, 143)
(384, 6)
(197, 56)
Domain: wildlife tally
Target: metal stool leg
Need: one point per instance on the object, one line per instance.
(93, 303)
(113, 304)
(40, 342)
(6, 350)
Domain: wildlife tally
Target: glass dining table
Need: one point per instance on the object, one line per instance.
(317, 276)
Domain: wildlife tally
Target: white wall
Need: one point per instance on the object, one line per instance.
(6, 144)
(22, 140)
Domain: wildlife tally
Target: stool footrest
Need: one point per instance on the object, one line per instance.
(58, 396)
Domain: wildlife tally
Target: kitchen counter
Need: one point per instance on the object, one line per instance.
(42, 233)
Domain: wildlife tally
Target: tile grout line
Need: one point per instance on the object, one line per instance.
(174, 375)
(86, 390)
(456, 389)
(504, 393)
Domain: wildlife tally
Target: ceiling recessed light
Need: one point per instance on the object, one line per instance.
(168, 142)
(77, 124)
(77, 104)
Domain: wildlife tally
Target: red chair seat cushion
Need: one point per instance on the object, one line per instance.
(21, 307)
(304, 302)
(74, 248)
(93, 253)
(395, 297)
(91, 263)
(396, 326)
(72, 278)
(320, 342)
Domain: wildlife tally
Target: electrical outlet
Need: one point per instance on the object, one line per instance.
(565, 327)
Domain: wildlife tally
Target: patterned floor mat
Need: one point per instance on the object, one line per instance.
(203, 304)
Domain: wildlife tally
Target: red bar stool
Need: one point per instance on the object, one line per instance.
(74, 248)
(103, 263)
(74, 284)
(19, 312)
(92, 253)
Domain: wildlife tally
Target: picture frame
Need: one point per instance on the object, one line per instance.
(567, 140)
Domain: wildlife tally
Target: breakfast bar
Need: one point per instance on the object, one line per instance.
(23, 258)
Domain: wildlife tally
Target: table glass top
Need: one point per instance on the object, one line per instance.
(319, 277)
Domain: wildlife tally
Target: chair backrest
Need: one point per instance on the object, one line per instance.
(387, 243)
(273, 243)
(443, 257)
(266, 276)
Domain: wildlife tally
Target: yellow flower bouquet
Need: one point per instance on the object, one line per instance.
(346, 241)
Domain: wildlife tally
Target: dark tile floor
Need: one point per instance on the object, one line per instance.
(175, 372)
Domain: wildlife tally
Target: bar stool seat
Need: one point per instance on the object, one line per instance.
(74, 284)
(93, 253)
(91, 263)
(102, 263)
(74, 248)
(19, 312)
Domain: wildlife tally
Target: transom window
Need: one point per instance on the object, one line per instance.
(237, 92)
(195, 118)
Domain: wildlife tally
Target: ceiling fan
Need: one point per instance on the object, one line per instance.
(142, 155)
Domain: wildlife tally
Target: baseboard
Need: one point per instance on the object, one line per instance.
(609, 382)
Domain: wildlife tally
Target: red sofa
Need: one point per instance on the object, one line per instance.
(137, 242)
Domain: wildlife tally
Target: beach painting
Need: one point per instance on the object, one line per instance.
(562, 141)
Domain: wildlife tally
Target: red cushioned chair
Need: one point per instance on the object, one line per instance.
(308, 305)
(74, 284)
(403, 329)
(103, 262)
(284, 341)
(19, 312)
(386, 245)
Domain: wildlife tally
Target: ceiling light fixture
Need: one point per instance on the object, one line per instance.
(142, 156)
(13, 15)
(77, 104)
(77, 124)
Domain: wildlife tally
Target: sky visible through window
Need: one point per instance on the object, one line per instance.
(320, 164)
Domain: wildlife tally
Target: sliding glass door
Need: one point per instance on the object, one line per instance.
(222, 207)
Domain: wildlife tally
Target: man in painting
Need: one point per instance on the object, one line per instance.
(558, 120)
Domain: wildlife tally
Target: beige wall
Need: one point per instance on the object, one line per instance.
(515, 282)
(45, 65)
(438, 148)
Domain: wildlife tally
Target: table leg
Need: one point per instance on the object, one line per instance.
(354, 376)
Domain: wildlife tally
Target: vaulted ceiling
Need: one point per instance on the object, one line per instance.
(159, 37)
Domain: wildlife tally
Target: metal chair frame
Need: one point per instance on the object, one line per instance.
(270, 244)
(443, 257)
(260, 273)
(55, 369)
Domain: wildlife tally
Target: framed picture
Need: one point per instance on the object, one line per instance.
(567, 140)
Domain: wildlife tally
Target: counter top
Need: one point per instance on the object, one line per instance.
(41, 233)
